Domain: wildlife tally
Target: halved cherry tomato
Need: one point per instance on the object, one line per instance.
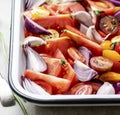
(101, 64)
(102, 5)
(75, 54)
(81, 89)
(109, 24)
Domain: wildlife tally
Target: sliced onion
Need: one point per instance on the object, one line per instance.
(106, 89)
(32, 87)
(116, 87)
(86, 52)
(83, 72)
(115, 2)
(83, 17)
(34, 27)
(33, 41)
(117, 15)
(34, 61)
(94, 35)
(83, 28)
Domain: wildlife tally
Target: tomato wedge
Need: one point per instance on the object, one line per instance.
(102, 5)
(59, 85)
(57, 22)
(54, 66)
(75, 54)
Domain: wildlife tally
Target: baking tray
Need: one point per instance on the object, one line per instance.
(17, 67)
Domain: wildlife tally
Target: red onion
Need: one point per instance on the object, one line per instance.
(32, 87)
(106, 88)
(117, 87)
(115, 2)
(34, 61)
(117, 15)
(34, 27)
(86, 52)
(83, 72)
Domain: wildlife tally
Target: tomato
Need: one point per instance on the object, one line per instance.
(64, 8)
(116, 67)
(62, 43)
(95, 48)
(107, 44)
(75, 54)
(57, 22)
(102, 5)
(68, 70)
(47, 87)
(101, 64)
(59, 85)
(81, 89)
(54, 66)
(111, 54)
(109, 24)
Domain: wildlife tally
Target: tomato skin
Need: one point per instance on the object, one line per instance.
(64, 8)
(101, 64)
(102, 5)
(54, 66)
(57, 22)
(81, 89)
(47, 87)
(75, 54)
(116, 67)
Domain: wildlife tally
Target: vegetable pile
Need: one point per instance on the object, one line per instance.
(72, 48)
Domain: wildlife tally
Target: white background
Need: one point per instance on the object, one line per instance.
(5, 16)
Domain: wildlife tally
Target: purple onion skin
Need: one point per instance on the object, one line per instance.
(115, 2)
(117, 15)
(116, 87)
(33, 27)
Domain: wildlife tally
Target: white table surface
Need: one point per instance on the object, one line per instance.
(5, 16)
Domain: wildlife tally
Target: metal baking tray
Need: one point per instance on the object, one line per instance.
(17, 67)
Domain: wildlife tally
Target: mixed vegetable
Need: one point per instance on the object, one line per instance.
(72, 47)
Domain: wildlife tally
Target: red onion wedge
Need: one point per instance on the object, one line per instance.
(34, 27)
(86, 52)
(33, 41)
(34, 61)
(106, 89)
(117, 15)
(83, 72)
(32, 87)
(115, 2)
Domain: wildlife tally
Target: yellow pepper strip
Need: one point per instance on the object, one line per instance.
(111, 54)
(110, 77)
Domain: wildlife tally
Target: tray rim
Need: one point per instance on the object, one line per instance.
(53, 100)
